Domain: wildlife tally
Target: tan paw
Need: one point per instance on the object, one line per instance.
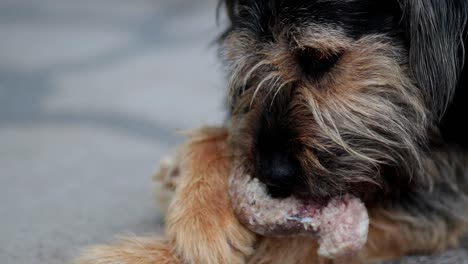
(165, 182)
(211, 239)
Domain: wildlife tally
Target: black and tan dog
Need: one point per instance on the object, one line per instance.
(328, 97)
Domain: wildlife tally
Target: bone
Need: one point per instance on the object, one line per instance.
(340, 227)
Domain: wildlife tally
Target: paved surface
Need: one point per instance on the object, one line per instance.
(91, 94)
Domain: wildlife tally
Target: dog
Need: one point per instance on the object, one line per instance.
(327, 98)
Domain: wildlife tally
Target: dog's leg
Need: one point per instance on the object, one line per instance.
(200, 221)
(131, 251)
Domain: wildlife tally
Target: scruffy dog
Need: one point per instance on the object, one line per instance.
(326, 98)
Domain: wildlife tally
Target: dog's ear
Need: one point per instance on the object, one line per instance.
(434, 29)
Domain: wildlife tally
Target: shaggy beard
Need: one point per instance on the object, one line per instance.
(346, 136)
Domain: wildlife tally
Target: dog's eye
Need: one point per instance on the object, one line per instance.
(314, 63)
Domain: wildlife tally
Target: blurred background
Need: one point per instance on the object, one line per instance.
(91, 95)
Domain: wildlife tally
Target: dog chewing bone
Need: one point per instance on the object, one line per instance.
(340, 227)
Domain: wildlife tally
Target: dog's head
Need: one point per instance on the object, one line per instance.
(329, 97)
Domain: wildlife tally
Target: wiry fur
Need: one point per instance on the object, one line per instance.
(328, 97)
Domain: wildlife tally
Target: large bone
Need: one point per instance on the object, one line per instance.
(341, 227)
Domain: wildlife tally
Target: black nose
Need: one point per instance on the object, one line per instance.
(274, 148)
(279, 172)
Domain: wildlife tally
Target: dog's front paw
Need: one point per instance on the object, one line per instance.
(165, 181)
(211, 238)
(200, 222)
(130, 251)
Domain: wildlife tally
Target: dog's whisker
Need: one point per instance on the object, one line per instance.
(260, 85)
(278, 90)
(275, 82)
(252, 70)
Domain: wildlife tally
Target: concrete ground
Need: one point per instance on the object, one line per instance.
(91, 95)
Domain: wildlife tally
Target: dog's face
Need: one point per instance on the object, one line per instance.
(329, 97)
